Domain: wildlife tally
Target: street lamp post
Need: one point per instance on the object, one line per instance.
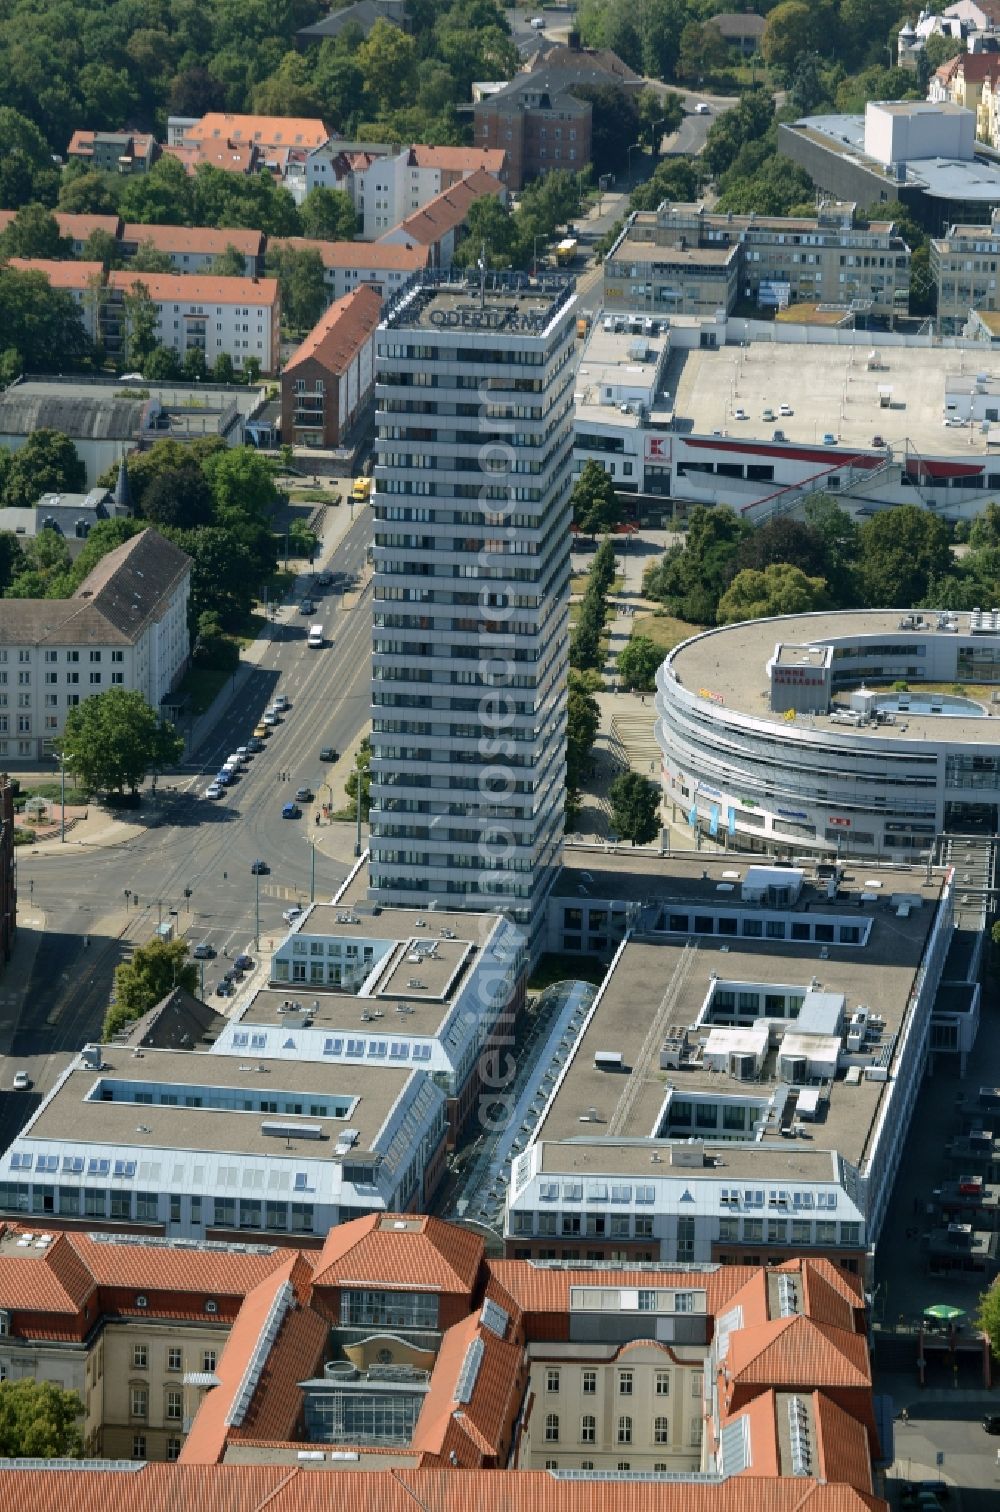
(602, 185)
(629, 160)
(62, 795)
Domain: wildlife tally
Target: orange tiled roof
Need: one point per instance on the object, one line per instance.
(230, 156)
(844, 1450)
(760, 1416)
(798, 1352)
(828, 1294)
(423, 1254)
(61, 274)
(449, 208)
(183, 288)
(295, 1356)
(335, 338)
(162, 1268)
(474, 1429)
(79, 227)
(459, 159)
(54, 1280)
(537, 1289)
(352, 254)
(203, 239)
(264, 131)
(285, 1488)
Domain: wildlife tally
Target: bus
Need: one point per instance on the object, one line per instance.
(315, 636)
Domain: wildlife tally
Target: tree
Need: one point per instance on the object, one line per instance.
(194, 92)
(89, 193)
(41, 326)
(224, 574)
(229, 264)
(490, 225)
(638, 663)
(302, 283)
(361, 773)
(780, 588)
(39, 1420)
(148, 258)
(163, 365)
(243, 485)
(988, 1316)
(329, 214)
(691, 578)
(223, 370)
(142, 982)
(790, 31)
(985, 530)
(614, 125)
(388, 63)
(901, 550)
(806, 89)
(838, 532)
(48, 462)
(703, 50)
(34, 232)
(179, 497)
(635, 807)
(289, 91)
(194, 366)
(114, 739)
(11, 559)
(141, 316)
(938, 49)
(596, 508)
(162, 197)
(212, 648)
(730, 132)
(26, 169)
(783, 540)
(583, 720)
(101, 247)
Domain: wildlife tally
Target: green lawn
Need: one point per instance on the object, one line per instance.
(201, 684)
(578, 584)
(663, 630)
(313, 496)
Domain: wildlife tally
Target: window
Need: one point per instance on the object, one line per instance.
(588, 1429)
(140, 1357)
(175, 1359)
(697, 1387)
(173, 1448)
(624, 1430)
(174, 1405)
(138, 1401)
(552, 1380)
(208, 1360)
(139, 1446)
(590, 1383)
(625, 1381)
(552, 1428)
(662, 1383)
(661, 1430)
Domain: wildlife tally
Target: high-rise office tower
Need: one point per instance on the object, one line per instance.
(474, 395)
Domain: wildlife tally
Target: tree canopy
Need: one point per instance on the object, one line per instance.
(113, 740)
(595, 504)
(635, 807)
(48, 462)
(638, 662)
(39, 1420)
(778, 588)
(144, 980)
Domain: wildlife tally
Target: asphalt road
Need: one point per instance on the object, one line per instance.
(194, 842)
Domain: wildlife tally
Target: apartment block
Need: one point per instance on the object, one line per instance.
(438, 226)
(193, 249)
(473, 467)
(125, 626)
(347, 265)
(963, 265)
(260, 131)
(538, 123)
(329, 381)
(400, 1360)
(82, 280)
(76, 228)
(681, 257)
(122, 152)
(394, 187)
(239, 316)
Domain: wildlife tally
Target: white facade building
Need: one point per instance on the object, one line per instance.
(392, 188)
(238, 316)
(474, 393)
(125, 626)
(348, 264)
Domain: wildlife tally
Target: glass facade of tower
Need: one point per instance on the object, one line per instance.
(474, 395)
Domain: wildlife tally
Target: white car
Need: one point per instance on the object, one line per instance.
(739, 414)
(538, 22)
(271, 719)
(702, 109)
(785, 409)
(22, 1081)
(280, 703)
(291, 914)
(214, 790)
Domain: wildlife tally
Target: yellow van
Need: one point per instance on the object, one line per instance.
(262, 731)
(362, 490)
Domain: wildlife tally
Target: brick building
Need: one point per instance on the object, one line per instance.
(328, 382)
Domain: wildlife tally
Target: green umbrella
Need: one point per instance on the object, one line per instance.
(943, 1313)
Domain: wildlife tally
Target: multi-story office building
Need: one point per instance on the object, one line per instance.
(963, 265)
(688, 260)
(474, 396)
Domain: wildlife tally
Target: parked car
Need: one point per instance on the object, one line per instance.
(304, 795)
(290, 914)
(243, 963)
(779, 435)
(307, 607)
(262, 732)
(991, 1422)
(785, 409)
(739, 414)
(225, 989)
(291, 811)
(702, 109)
(244, 753)
(259, 868)
(324, 580)
(829, 439)
(214, 790)
(538, 22)
(254, 745)
(281, 703)
(768, 414)
(22, 1081)
(329, 753)
(270, 719)
(204, 952)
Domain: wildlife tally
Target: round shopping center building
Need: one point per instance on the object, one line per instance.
(866, 731)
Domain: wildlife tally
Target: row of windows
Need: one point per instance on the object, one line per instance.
(143, 1207)
(624, 1380)
(588, 1429)
(175, 1358)
(173, 1448)
(173, 1403)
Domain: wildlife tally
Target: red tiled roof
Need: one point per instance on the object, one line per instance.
(230, 156)
(352, 254)
(79, 227)
(422, 1254)
(760, 1416)
(448, 209)
(54, 1280)
(473, 1429)
(203, 239)
(537, 1289)
(459, 159)
(335, 338)
(265, 131)
(207, 288)
(60, 274)
(798, 1352)
(975, 67)
(844, 1451)
(828, 1295)
(276, 1408)
(284, 1488)
(151, 1268)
